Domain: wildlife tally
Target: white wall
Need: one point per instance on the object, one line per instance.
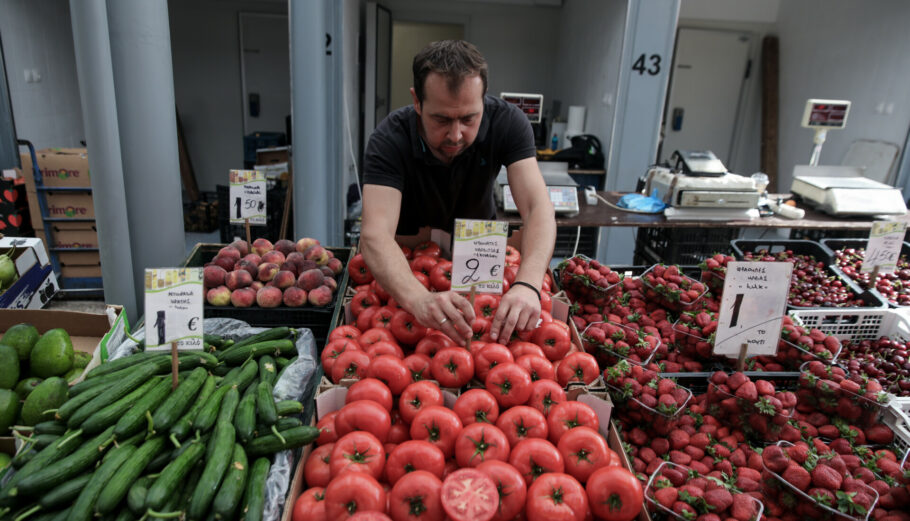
(730, 10)
(205, 47)
(518, 42)
(37, 34)
(843, 49)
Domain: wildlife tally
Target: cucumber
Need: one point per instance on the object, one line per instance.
(40, 441)
(111, 414)
(24, 456)
(231, 491)
(215, 340)
(165, 485)
(135, 419)
(75, 402)
(124, 515)
(83, 508)
(57, 451)
(229, 406)
(135, 498)
(204, 359)
(178, 401)
(50, 427)
(222, 370)
(268, 369)
(265, 404)
(184, 426)
(245, 417)
(186, 491)
(254, 495)
(63, 495)
(136, 377)
(288, 407)
(283, 424)
(294, 437)
(208, 414)
(222, 444)
(276, 333)
(119, 485)
(120, 363)
(284, 362)
(72, 465)
(242, 379)
(235, 355)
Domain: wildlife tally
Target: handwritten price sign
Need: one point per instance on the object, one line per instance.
(884, 246)
(247, 195)
(173, 308)
(752, 308)
(478, 256)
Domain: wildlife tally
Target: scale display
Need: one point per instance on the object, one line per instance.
(530, 104)
(564, 199)
(826, 114)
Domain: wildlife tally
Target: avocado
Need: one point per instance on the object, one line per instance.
(9, 367)
(73, 374)
(50, 394)
(5, 460)
(81, 359)
(22, 337)
(52, 354)
(9, 409)
(26, 386)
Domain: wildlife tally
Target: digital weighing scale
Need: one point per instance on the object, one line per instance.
(562, 188)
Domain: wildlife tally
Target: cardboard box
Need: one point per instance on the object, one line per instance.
(67, 205)
(63, 167)
(268, 156)
(78, 234)
(37, 283)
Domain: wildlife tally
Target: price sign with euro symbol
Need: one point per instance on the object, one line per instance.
(478, 255)
(173, 309)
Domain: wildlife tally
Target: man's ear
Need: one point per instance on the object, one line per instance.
(417, 105)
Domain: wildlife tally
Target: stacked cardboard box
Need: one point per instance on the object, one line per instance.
(65, 168)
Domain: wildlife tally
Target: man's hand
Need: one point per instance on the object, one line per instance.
(519, 310)
(446, 311)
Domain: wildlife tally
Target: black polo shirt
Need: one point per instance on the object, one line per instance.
(432, 192)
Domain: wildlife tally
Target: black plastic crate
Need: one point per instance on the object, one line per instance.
(201, 216)
(819, 234)
(844, 243)
(319, 320)
(274, 209)
(682, 245)
(565, 240)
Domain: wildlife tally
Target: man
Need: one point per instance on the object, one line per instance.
(436, 161)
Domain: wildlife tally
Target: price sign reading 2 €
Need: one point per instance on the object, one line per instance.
(173, 309)
(752, 308)
(884, 246)
(247, 195)
(478, 255)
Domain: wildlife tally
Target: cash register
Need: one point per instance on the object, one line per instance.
(562, 188)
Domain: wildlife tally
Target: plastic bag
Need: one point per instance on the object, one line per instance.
(642, 203)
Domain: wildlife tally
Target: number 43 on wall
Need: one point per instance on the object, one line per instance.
(649, 64)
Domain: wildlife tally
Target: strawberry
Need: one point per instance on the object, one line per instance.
(647, 454)
(676, 477)
(879, 434)
(736, 379)
(822, 496)
(774, 458)
(680, 458)
(666, 496)
(660, 445)
(748, 473)
(824, 476)
(747, 391)
(744, 508)
(841, 446)
(678, 439)
(764, 387)
(718, 499)
(799, 452)
(747, 485)
(684, 510)
(797, 476)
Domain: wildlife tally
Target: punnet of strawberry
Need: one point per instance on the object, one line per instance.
(885, 360)
(833, 390)
(813, 481)
(894, 286)
(695, 333)
(585, 277)
(714, 272)
(798, 344)
(757, 407)
(645, 396)
(672, 288)
(683, 493)
(611, 342)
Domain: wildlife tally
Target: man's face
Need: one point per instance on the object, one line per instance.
(449, 120)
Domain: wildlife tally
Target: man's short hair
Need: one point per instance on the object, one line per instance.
(454, 59)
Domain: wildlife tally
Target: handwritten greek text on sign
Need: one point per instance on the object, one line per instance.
(247, 197)
(752, 308)
(478, 256)
(884, 246)
(173, 308)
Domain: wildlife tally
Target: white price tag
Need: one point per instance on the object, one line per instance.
(884, 246)
(752, 308)
(478, 256)
(247, 197)
(173, 308)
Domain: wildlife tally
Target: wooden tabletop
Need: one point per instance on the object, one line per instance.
(605, 215)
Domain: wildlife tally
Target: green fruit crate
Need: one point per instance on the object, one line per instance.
(317, 319)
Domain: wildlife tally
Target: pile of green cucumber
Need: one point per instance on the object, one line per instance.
(126, 445)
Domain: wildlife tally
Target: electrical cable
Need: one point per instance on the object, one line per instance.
(577, 238)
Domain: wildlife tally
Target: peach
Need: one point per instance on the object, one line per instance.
(321, 296)
(335, 265)
(274, 256)
(262, 246)
(308, 265)
(242, 246)
(289, 266)
(247, 266)
(254, 258)
(285, 246)
(327, 271)
(269, 297)
(294, 256)
(238, 279)
(213, 276)
(330, 282)
(220, 296)
(224, 261)
(230, 251)
(310, 280)
(267, 271)
(305, 243)
(243, 297)
(284, 279)
(317, 254)
(294, 297)
(256, 285)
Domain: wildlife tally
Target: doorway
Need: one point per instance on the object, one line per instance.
(408, 38)
(265, 72)
(703, 103)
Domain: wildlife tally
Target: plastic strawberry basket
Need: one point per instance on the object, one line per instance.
(595, 348)
(620, 396)
(841, 244)
(873, 405)
(669, 303)
(575, 283)
(651, 488)
(834, 513)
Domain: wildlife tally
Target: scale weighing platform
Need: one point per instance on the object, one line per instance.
(562, 188)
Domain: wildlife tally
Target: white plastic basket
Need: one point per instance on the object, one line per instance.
(857, 324)
(895, 416)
